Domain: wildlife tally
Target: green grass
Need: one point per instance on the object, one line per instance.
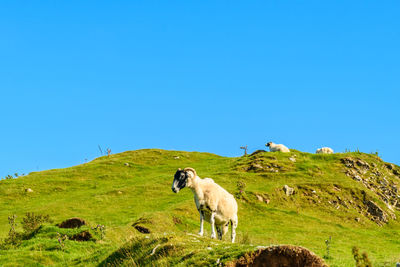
(106, 191)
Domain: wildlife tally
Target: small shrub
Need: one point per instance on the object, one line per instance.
(100, 230)
(328, 246)
(32, 221)
(240, 186)
(61, 240)
(14, 238)
(361, 260)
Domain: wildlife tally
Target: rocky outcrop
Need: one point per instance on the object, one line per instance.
(378, 179)
(378, 214)
(259, 166)
(356, 164)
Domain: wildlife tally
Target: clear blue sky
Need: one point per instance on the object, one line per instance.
(197, 76)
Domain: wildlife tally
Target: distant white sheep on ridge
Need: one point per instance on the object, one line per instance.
(277, 147)
(324, 150)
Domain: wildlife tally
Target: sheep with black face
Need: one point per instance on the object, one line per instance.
(214, 203)
(277, 147)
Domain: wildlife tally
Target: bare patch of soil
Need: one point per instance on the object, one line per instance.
(82, 236)
(142, 229)
(279, 256)
(176, 220)
(72, 223)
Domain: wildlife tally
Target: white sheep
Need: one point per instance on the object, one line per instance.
(214, 203)
(277, 147)
(324, 150)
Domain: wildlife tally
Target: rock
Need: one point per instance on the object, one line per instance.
(72, 223)
(357, 178)
(176, 157)
(126, 164)
(288, 190)
(357, 219)
(292, 159)
(350, 172)
(262, 199)
(119, 193)
(28, 190)
(336, 188)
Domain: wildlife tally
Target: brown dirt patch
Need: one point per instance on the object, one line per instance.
(72, 223)
(257, 152)
(176, 220)
(82, 236)
(279, 256)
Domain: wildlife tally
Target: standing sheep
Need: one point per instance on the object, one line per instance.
(277, 147)
(214, 203)
(324, 150)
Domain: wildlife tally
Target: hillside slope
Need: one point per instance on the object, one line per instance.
(351, 197)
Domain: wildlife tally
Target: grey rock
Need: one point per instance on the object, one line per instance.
(288, 190)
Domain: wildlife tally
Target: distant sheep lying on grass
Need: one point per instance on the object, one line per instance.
(277, 147)
(213, 202)
(324, 150)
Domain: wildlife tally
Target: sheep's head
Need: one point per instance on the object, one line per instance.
(183, 178)
(268, 144)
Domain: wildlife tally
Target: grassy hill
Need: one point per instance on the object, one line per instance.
(350, 197)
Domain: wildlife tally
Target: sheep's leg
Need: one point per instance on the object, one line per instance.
(201, 222)
(219, 231)
(233, 225)
(212, 221)
(225, 228)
